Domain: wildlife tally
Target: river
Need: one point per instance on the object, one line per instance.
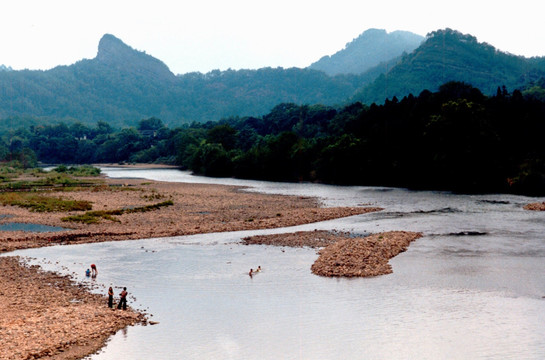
(472, 287)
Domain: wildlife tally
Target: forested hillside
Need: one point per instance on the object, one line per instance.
(454, 139)
(449, 55)
(122, 85)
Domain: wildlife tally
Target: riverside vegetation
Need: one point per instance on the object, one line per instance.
(454, 139)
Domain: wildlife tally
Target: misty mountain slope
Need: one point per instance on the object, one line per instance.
(119, 83)
(449, 55)
(370, 49)
(122, 86)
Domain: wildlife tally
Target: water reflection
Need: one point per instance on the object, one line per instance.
(472, 287)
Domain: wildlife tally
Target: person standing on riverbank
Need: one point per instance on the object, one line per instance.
(110, 297)
(94, 270)
(123, 299)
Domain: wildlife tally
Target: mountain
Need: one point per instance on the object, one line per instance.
(448, 55)
(368, 50)
(115, 54)
(122, 85)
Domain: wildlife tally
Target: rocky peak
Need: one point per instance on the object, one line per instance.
(111, 48)
(115, 53)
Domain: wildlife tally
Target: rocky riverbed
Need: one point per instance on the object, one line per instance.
(344, 255)
(47, 316)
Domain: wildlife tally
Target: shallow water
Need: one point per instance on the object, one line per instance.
(472, 287)
(29, 227)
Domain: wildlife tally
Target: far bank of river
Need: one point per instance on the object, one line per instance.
(472, 287)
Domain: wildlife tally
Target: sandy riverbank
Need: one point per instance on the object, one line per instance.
(538, 206)
(197, 208)
(47, 316)
(51, 318)
(342, 254)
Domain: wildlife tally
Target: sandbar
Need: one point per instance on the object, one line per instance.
(343, 255)
(537, 206)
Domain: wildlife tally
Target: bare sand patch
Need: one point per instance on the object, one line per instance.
(362, 257)
(538, 206)
(315, 239)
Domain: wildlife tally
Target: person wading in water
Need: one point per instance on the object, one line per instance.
(94, 271)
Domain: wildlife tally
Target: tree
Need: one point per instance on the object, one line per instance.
(103, 128)
(224, 135)
(211, 160)
(151, 124)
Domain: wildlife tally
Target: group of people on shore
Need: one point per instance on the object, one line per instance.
(122, 296)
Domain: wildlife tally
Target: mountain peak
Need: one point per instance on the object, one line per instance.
(116, 54)
(111, 47)
(369, 49)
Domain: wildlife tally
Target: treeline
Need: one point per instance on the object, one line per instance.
(454, 139)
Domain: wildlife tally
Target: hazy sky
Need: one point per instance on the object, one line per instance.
(203, 35)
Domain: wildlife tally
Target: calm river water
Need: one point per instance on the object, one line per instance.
(472, 288)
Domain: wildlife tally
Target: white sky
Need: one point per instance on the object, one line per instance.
(202, 35)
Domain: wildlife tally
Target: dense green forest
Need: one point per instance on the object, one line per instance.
(454, 139)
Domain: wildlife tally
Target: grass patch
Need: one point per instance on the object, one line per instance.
(154, 195)
(150, 207)
(9, 173)
(93, 217)
(41, 203)
(47, 180)
(84, 170)
(36, 178)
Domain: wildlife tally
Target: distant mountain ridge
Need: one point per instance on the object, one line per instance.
(448, 55)
(122, 85)
(371, 48)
